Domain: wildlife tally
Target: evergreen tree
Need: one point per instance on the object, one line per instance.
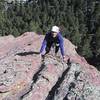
(79, 20)
(2, 19)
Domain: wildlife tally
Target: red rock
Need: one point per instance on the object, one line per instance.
(24, 76)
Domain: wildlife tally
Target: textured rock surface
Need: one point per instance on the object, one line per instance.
(23, 76)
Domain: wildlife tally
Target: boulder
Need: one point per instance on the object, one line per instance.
(25, 76)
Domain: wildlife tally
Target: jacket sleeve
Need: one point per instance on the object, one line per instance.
(61, 44)
(43, 44)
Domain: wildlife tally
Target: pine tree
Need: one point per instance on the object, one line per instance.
(2, 19)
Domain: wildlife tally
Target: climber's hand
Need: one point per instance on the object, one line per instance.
(65, 58)
(42, 56)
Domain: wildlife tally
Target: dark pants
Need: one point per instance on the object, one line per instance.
(49, 45)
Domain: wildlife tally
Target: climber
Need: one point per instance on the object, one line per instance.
(55, 38)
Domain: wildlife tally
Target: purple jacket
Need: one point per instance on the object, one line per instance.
(48, 38)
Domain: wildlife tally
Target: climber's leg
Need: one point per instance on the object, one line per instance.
(56, 49)
(48, 47)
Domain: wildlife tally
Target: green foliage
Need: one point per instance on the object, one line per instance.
(2, 19)
(97, 42)
(86, 49)
(34, 27)
(79, 20)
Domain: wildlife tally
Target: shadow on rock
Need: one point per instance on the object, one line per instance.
(27, 53)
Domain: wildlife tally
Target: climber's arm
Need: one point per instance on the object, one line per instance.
(44, 43)
(43, 46)
(61, 44)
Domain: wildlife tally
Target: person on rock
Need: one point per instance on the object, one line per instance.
(55, 38)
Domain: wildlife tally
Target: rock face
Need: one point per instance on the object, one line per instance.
(24, 76)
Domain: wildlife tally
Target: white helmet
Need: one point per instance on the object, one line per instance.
(55, 29)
